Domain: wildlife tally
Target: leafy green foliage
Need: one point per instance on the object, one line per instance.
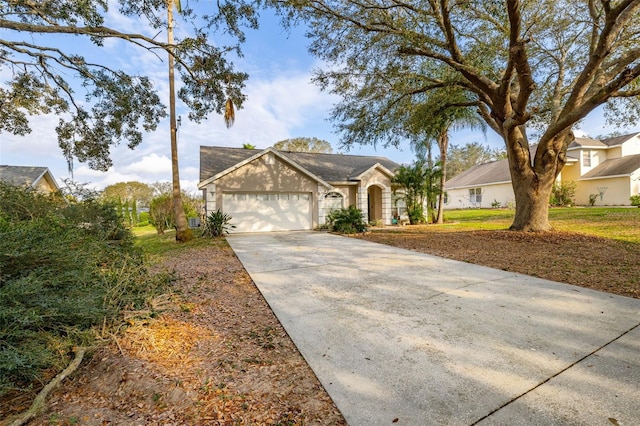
(112, 105)
(517, 65)
(348, 220)
(635, 200)
(419, 186)
(217, 224)
(66, 273)
(304, 145)
(161, 213)
(562, 194)
(128, 191)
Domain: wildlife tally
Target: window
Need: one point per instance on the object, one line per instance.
(399, 206)
(333, 201)
(475, 195)
(586, 158)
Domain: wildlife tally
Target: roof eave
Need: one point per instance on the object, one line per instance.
(382, 168)
(606, 177)
(475, 185)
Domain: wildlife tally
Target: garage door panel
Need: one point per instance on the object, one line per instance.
(268, 212)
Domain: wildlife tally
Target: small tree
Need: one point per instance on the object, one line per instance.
(160, 212)
(412, 181)
(134, 213)
(562, 194)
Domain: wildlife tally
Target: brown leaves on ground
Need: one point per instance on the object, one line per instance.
(216, 356)
(582, 260)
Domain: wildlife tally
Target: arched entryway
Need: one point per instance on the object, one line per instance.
(374, 203)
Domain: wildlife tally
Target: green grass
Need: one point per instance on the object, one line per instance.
(616, 223)
(153, 244)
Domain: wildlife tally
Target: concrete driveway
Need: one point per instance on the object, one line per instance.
(398, 337)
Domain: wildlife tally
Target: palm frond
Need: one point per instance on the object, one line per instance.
(229, 113)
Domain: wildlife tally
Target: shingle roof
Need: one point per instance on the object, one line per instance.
(481, 174)
(329, 167)
(619, 140)
(580, 142)
(615, 167)
(21, 175)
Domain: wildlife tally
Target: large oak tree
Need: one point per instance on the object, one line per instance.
(543, 64)
(99, 104)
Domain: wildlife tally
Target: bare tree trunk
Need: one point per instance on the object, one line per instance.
(533, 181)
(183, 233)
(443, 145)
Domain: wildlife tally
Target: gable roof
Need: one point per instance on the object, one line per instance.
(622, 166)
(619, 140)
(26, 176)
(604, 143)
(481, 174)
(586, 142)
(327, 167)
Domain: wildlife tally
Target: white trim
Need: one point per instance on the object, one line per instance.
(607, 177)
(382, 168)
(476, 185)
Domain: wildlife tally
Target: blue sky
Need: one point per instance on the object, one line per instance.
(282, 103)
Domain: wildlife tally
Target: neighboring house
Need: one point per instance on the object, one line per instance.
(607, 171)
(37, 178)
(271, 190)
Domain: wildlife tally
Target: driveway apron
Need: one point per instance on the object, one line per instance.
(398, 337)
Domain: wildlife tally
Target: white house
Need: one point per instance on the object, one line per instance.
(606, 171)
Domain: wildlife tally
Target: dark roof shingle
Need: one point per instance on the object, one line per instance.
(21, 175)
(328, 167)
(615, 167)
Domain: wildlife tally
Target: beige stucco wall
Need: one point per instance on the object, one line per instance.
(616, 191)
(45, 186)
(570, 172)
(375, 177)
(459, 198)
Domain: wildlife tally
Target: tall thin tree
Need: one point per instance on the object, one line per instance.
(183, 233)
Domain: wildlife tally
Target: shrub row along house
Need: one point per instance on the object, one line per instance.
(606, 172)
(271, 190)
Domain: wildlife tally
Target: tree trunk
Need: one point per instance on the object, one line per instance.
(532, 181)
(443, 145)
(183, 233)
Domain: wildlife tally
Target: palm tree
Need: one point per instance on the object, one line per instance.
(432, 121)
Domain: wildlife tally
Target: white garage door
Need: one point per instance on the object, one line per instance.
(265, 212)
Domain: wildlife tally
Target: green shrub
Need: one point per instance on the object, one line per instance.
(416, 214)
(217, 224)
(562, 194)
(346, 221)
(635, 200)
(66, 274)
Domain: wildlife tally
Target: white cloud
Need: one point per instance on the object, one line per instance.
(152, 164)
